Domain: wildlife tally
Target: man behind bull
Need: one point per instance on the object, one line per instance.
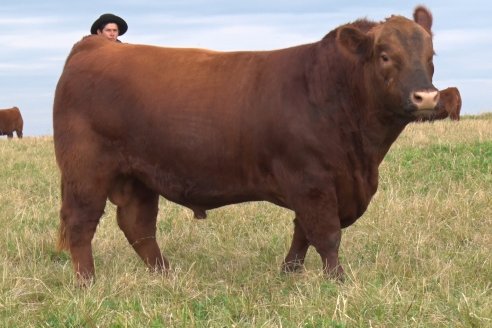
(110, 26)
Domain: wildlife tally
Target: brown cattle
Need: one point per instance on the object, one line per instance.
(10, 121)
(305, 128)
(449, 104)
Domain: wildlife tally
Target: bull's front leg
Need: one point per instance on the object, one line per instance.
(317, 224)
(294, 261)
(137, 216)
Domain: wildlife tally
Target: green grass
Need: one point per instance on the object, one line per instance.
(419, 257)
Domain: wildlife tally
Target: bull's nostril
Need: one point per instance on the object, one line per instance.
(417, 98)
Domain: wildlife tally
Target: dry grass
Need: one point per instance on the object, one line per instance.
(445, 132)
(419, 257)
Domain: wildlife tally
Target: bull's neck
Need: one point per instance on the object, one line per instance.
(337, 86)
(379, 132)
(381, 126)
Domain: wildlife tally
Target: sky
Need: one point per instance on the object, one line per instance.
(36, 37)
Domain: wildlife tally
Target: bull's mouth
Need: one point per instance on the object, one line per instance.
(411, 108)
(411, 113)
(423, 114)
(424, 111)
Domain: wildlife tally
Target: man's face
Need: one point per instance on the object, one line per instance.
(110, 31)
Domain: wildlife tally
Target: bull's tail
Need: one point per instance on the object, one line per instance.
(62, 237)
(63, 240)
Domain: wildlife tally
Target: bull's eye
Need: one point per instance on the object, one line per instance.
(384, 58)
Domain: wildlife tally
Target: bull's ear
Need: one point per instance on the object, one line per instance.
(355, 41)
(423, 17)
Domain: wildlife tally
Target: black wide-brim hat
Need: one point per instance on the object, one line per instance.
(109, 18)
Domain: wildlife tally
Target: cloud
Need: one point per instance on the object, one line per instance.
(235, 32)
(40, 40)
(451, 39)
(23, 21)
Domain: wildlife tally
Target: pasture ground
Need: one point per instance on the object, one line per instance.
(419, 257)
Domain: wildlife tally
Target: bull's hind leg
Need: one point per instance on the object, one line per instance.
(80, 214)
(137, 215)
(294, 260)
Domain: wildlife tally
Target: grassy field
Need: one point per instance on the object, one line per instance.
(421, 256)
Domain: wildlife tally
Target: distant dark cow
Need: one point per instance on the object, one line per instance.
(10, 121)
(305, 128)
(449, 106)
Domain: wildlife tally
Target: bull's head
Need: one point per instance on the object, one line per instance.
(397, 58)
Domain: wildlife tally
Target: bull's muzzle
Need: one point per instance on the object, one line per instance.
(425, 100)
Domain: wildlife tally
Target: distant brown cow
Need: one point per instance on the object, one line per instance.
(304, 128)
(10, 121)
(449, 105)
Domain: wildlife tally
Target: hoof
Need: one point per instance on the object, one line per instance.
(292, 267)
(336, 274)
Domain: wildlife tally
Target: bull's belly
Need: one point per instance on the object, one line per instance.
(206, 193)
(201, 201)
